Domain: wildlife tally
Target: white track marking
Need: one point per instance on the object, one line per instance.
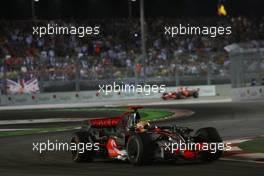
(250, 155)
(172, 102)
(32, 121)
(19, 129)
(242, 156)
(237, 141)
(118, 103)
(241, 160)
(233, 149)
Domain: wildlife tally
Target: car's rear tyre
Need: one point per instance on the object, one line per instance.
(195, 95)
(180, 96)
(81, 156)
(140, 149)
(209, 135)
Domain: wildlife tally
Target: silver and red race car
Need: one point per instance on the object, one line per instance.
(127, 138)
(181, 93)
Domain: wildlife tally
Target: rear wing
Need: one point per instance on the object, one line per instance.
(134, 108)
(105, 122)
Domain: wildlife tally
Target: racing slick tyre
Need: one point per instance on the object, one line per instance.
(180, 96)
(195, 95)
(81, 156)
(140, 149)
(209, 135)
(164, 96)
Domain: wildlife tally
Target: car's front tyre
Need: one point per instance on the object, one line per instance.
(140, 149)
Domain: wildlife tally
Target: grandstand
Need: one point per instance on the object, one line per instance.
(114, 55)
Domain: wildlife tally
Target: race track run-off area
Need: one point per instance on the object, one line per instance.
(232, 120)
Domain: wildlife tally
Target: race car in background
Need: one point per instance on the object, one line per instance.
(127, 138)
(181, 93)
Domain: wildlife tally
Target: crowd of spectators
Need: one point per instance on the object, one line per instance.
(116, 51)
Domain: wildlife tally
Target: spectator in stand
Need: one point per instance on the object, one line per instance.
(117, 51)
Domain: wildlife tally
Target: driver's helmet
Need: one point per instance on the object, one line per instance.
(134, 118)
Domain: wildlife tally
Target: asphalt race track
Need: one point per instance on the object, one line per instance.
(233, 120)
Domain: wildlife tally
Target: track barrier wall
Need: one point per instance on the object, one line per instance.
(88, 96)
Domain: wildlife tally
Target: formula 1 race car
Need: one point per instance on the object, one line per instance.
(127, 138)
(181, 93)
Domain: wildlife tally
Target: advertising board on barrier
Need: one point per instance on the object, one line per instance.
(248, 93)
(22, 86)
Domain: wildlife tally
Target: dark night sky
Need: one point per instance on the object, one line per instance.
(85, 9)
